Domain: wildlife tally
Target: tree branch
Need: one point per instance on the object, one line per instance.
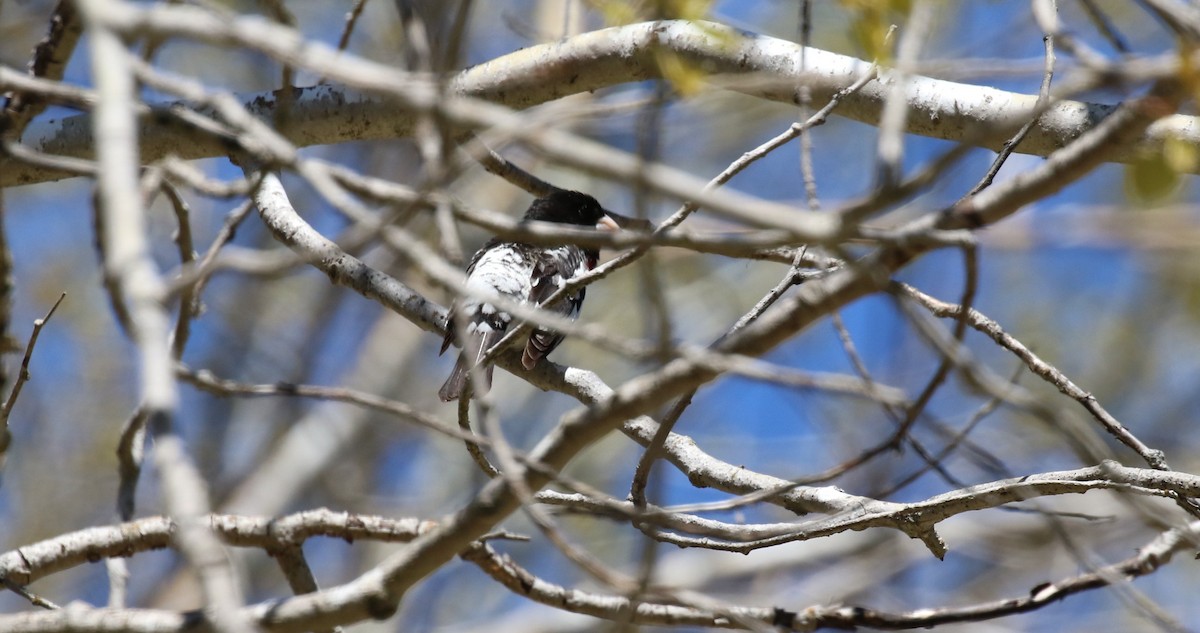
(327, 114)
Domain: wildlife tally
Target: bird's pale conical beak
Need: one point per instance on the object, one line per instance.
(607, 224)
(613, 221)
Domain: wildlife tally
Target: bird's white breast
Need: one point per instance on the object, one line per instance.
(504, 269)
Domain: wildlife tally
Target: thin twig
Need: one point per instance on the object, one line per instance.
(207, 381)
(189, 299)
(496, 164)
(1043, 98)
(351, 22)
(33, 598)
(970, 286)
(807, 174)
(1105, 26)
(955, 441)
(7, 285)
(889, 162)
(657, 316)
(189, 282)
(22, 378)
(654, 450)
(511, 473)
(473, 447)
(1044, 370)
(296, 570)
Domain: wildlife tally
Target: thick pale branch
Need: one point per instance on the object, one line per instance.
(75, 549)
(618, 608)
(1148, 559)
(914, 517)
(27, 564)
(328, 114)
(128, 261)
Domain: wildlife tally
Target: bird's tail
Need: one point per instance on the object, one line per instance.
(460, 376)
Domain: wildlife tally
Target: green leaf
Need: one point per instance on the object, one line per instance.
(1181, 156)
(687, 78)
(1151, 177)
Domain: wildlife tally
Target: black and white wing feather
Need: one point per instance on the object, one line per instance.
(498, 267)
(550, 273)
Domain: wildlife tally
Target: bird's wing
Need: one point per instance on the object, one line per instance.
(550, 273)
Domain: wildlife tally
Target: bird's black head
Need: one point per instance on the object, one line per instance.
(567, 207)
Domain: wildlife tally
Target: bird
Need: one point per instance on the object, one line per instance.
(527, 273)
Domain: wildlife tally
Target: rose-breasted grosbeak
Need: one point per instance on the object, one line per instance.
(526, 273)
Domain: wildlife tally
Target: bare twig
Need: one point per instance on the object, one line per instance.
(127, 260)
(970, 285)
(654, 450)
(1148, 559)
(1155, 458)
(296, 570)
(351, 21)
(49, 61)
(207, 381)
(893, 118)
(1043, 98)
(22, 378)
(1105, 25)
(473, 448)
(189, 299)
(33, 598)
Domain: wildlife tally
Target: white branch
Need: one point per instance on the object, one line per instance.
(127, 259)
(329, 114)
